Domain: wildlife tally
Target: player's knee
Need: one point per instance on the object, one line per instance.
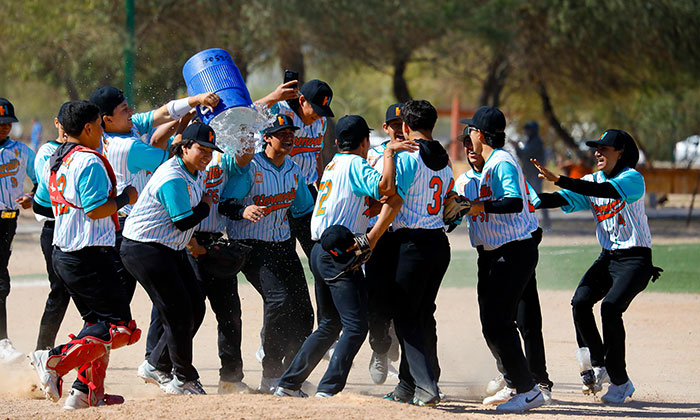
(610, 309)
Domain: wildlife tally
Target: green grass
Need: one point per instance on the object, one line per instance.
(561, 267)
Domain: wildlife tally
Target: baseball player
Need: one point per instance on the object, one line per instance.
(381, 268)
(16, 163)
(342, 212)
(157, 231)
(127, 148)
(309, 112)
(424, 178)
(58, 299)
(529, 315)
(615, 195)
(84, 202)
(507, 253)
(273, 190)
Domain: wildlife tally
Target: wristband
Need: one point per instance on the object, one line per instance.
(121, 200)
(178, 108)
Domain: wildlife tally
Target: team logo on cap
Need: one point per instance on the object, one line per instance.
(211, 136)
(2, 110)
(280, 120)
(326, 100)
(398, 111)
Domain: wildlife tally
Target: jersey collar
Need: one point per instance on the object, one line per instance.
(182, 165)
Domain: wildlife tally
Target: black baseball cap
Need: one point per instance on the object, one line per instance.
(336, 240)
(7, 112)
(281, 122)
(319, 95)
(350, 130)
(487, 118)
(61, 111)
(107, 98)
(202, 134)
(393, 112)
(615, 138)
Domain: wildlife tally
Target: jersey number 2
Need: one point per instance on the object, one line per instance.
(325, 190)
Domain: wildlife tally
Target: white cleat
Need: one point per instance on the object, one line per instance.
(8, 352)
(496, 384)
(154, 376)
(239, 387)
(546, 392)
(601, 377)
(268, 385)
(504, 395)
(177, 387)
(322, 395)
(48, 378)
(286, 392)
(523, 401)
(618, 393)
(76, 400)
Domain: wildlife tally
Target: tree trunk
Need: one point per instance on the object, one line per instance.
(399, 78)
(548, 111)
(71, 89)
(290, 55)
(241, 62)
(495, 80)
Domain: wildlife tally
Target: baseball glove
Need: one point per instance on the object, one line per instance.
(224, 258)
(362, 254)
(455, 208)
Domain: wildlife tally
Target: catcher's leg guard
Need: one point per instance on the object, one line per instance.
(124, 335)
(93, 375)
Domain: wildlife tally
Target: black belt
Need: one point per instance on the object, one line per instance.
(637, 251)
(50, 224)
(9, 214)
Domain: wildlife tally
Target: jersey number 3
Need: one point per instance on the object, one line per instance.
(435, 183)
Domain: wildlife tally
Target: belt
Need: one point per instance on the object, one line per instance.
(50, 224)
(637, 251)
(9, 214)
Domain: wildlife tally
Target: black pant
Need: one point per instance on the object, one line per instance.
(89, 276)
(380, 270)
(424, 255)
(342, 305)
(127, 279)
(167, 277)
(504, 274)
(8, 227)
(300, 228)
(223, 298)
(275, 271)
(58, 299)
(616, 278)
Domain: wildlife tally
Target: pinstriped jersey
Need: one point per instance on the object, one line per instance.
(308, 141)
(280, 189)
(620, 223)
(16, 162)
(347, 182)
(150, 220)
(221, 170)
(500, 229)
(374, 158)
(84, 182)
(467, 185)
(423, 191)
(41, 195)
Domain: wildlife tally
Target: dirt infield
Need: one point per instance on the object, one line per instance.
(663, 361)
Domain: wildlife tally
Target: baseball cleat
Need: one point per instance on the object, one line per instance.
(323, 395)
(286, 392)
(546, 392)
(154, 376)
(8, 352)
(523, 401)
(393, 396)
(49, 380)
(601, 377)
(378, 367)
(239, 387)
(504, 395)
(78, 400)
(178, 387)
(268, 385)
(420, 403)
(496, 384)
(618, 393)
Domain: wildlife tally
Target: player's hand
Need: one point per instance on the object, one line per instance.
(476, 208)
(132, 193)
(195, 248)
(544, 172)
(206, 198)
(403, 146)
(254, 213)
(285, 91)
(208, 100)
(25, 201)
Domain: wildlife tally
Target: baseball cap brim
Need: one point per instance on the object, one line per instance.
(5, 120)
(322, 111)
(209, 145)
(273, 130)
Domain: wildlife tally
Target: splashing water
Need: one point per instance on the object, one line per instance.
(237, 129)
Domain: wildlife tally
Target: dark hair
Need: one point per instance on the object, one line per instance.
(628, 158)
(346, 146)
(494, 140)
(76, 114)
(419, 115)
(176, 148)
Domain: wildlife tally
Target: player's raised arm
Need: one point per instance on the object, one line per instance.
(178, 108)
(387, 185)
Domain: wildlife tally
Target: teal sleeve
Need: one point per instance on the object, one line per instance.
(238, 186)
(303, 201)
(143, 121)
(364, 179)
(230, 167)
(145, 157)
(507, 184)
(31, 172)
(93, 187)
(630, 185)
(41, 195)
(534, 198)
(173, 195)
(406, 168)
(577, 202)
